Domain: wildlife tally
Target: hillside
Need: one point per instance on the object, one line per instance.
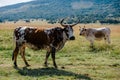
(105, 11)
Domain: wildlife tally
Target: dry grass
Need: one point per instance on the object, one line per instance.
(42, 24)
(115, 29)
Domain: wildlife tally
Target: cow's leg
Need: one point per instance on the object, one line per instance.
(107, 39)
(46, 58)
(53, 56)
(91, 43)
(22, 53)
(15, 54)
(91, 40)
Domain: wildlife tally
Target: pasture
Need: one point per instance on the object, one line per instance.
(76, 61)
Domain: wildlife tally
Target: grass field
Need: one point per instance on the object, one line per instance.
(80, 62)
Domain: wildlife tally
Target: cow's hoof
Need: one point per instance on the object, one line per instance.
(15, 67)
(27, 65)
(45, 65)
(91, 46)
(15, 64)
(56, 67)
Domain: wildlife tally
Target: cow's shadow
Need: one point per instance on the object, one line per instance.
(51, 72)
(100, 48)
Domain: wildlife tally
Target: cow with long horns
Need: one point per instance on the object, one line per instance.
(52, 40)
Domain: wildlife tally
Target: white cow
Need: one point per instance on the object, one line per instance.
(92, 34)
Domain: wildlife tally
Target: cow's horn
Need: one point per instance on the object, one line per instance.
(61, 22)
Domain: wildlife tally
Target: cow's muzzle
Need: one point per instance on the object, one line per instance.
(72, 38)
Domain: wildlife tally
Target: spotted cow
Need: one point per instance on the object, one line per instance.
(92, 34)
(51, 40)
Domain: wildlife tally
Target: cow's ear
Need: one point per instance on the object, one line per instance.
(80, 27)
(84, 27)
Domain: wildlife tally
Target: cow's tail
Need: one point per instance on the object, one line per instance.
(14, 41)
(12, 56)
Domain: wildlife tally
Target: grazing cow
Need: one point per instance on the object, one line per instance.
(52, 40)
(92, 34)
